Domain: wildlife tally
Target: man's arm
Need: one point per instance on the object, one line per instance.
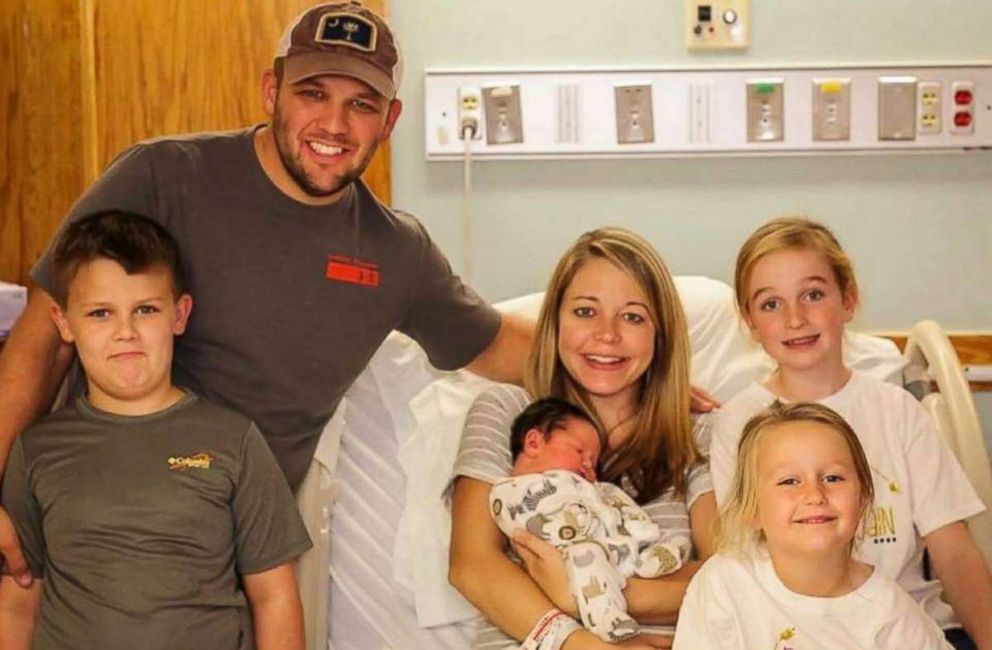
(18, 607)
(505, 356)
(33, 363)
(276, 610)
(967, 584)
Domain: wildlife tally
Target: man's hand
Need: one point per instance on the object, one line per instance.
(702, 402)
(10, 548)
(547, 568)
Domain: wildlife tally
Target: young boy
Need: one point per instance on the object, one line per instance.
(149, 515)
(602, 534)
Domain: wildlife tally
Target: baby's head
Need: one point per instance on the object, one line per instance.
(554, 434)
(119, 288)
(802, 483)
(792, 234)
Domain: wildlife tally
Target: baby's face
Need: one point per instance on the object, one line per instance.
(575, 448)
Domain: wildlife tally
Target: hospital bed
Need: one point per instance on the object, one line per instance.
(373, 499)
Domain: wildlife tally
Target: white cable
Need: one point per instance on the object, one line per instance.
(468, 132)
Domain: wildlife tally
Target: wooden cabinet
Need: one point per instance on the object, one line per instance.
(82, 79)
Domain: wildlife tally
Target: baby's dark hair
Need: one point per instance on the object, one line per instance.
(136, 243)
(546, 415)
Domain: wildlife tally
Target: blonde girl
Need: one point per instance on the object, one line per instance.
(796, 291)
(785, 576)
(611, 337)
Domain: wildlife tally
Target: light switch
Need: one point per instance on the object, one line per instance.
(897, 108)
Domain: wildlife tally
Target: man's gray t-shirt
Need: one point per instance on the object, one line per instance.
(138, 524)
(290, 300)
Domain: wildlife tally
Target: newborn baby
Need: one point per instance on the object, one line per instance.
(602, 534)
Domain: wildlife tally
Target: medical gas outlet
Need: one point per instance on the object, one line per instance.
(635, 113)
(831, 109)
(765, 110)
(504, 120)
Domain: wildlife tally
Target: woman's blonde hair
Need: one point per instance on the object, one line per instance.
(789, 233)
(660, 449)
(736, 532)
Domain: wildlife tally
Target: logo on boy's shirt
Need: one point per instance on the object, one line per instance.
(341, 268)
(201, 460)
(880, 525)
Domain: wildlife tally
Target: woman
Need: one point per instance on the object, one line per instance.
(612, 338)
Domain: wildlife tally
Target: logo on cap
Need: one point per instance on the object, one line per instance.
(346, 29)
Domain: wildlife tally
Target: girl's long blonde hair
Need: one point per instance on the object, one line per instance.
(735, 530)
(660, 448)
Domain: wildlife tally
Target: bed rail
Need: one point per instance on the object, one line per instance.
(953, 410)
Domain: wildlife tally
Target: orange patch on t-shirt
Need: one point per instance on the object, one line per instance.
(353, 271)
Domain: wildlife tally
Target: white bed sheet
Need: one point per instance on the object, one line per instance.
(369, 609)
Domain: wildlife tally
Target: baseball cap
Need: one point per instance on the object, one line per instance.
(342, 38)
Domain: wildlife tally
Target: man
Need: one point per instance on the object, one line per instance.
(299, 273)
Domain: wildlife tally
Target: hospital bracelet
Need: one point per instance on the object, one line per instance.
(550, 632)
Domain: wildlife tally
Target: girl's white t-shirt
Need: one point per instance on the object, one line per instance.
(741, 604)
(919, 484)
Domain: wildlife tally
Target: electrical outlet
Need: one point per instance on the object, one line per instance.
(717, 24)
(635, 122)
(765, 110)
(928, 107)
(504, 122)
(832, 109)
(963, 96)
(897, 108)
(469, 112)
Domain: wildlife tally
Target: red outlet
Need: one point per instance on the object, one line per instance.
(963, 97)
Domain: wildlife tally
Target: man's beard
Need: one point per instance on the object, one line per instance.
(294, 166)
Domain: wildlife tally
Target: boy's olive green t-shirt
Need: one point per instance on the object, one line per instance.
(139, 525)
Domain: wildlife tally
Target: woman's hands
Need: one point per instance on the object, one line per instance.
(585, 640)
(547, 568)
(647, 642)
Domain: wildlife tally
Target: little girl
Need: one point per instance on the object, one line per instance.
(784, 577)
(796, 290)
